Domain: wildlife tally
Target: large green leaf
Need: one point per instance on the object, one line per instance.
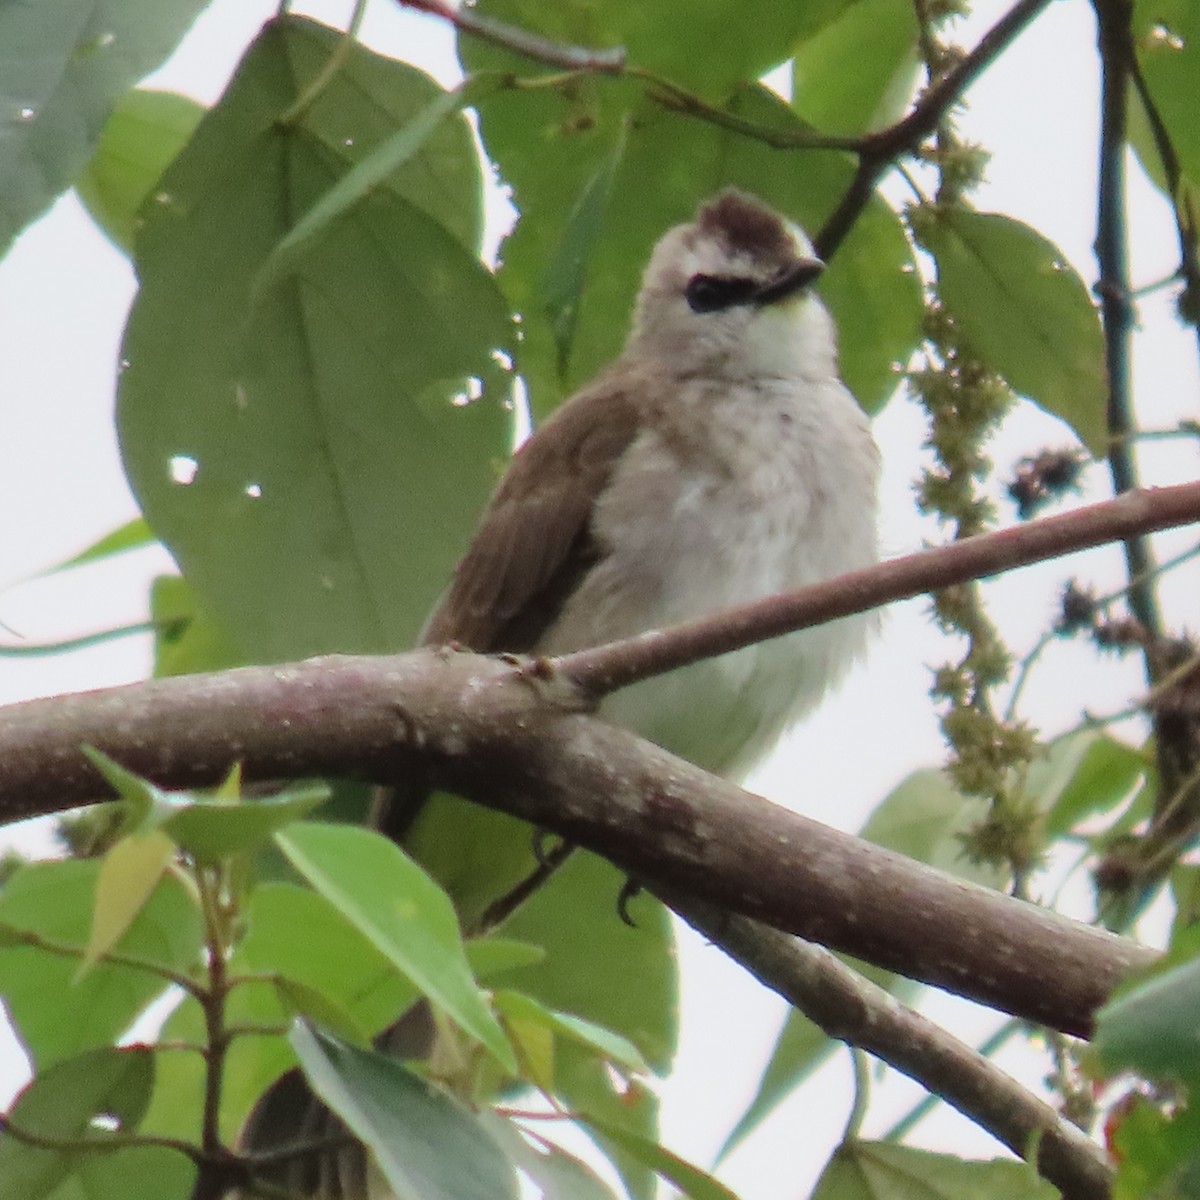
(1168, 42)
(552, 146)
(392, 902)
(56, 1014)
(707, 46)
(1024, 311)
(62, 1103)
(146, 131)
(858, 72)
(427, 1145)
(305, 448)
(1150, 1027)
(872, 1170)
(63, 64)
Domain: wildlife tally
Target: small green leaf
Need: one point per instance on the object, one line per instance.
(145, 805)
(1024, 310)
(210, 830)
(64, 66)
(133, 535)
(1102, 772)
(402, 912)
(1150, 1027)
(57, 1016)
(868, 1170)
(187, 638)
(300, 1000)
(610, 1046)
(144, 133)
(62, 1103)
(1158, 1156)
(129, 873)
(491, 954)
(427, 1145)
(689, 1179)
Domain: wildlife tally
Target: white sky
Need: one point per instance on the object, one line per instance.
(63, 296)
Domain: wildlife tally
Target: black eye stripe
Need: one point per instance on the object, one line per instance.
(712, 293)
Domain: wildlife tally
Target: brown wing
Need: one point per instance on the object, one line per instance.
(534, 541)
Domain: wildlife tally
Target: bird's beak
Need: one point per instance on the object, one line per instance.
(791, 279)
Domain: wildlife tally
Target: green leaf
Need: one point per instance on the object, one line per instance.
(586, 1085)
(567, 275)
(869, 1170)
(608, 1045)
(1168, 46)
(57, 1016)
(689, 1179)
(313, 453)
(150, 1171)
(427, 1145)
(130, 871)
(64, 65)
(923, 817)
(556, 1174)
(210, 830)
(857, 73)
(596, 967)
(187, 638)
(144, 133)
(1087, 773)
(300, 935)
(1150, 1027)
(705, 45)
(145, 805)
(402, 912)
(1157, 1155)
(133, 535)
(668, 167)
(62, 1103)
(1024, 310)
(372, 170)
(492, 954)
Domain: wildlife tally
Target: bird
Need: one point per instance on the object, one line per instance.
(717, 460)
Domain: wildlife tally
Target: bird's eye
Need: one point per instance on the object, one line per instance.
(712, 293)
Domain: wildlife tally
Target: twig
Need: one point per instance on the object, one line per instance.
(854, 1010)
(608, 667)
(520, 41)
(1116, 55)
(878, 150)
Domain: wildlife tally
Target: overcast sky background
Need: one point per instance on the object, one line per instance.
(64, 293)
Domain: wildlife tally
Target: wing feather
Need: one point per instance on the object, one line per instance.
(534, 541)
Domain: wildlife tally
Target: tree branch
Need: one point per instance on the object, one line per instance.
(852, 1009)
(1114, 19)
(877, 151)
(608, 667)
(515, 737)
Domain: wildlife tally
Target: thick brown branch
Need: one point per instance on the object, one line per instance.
(854, 1010)
(504, 738)
(513, 738)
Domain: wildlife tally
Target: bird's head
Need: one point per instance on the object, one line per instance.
(731, 291)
